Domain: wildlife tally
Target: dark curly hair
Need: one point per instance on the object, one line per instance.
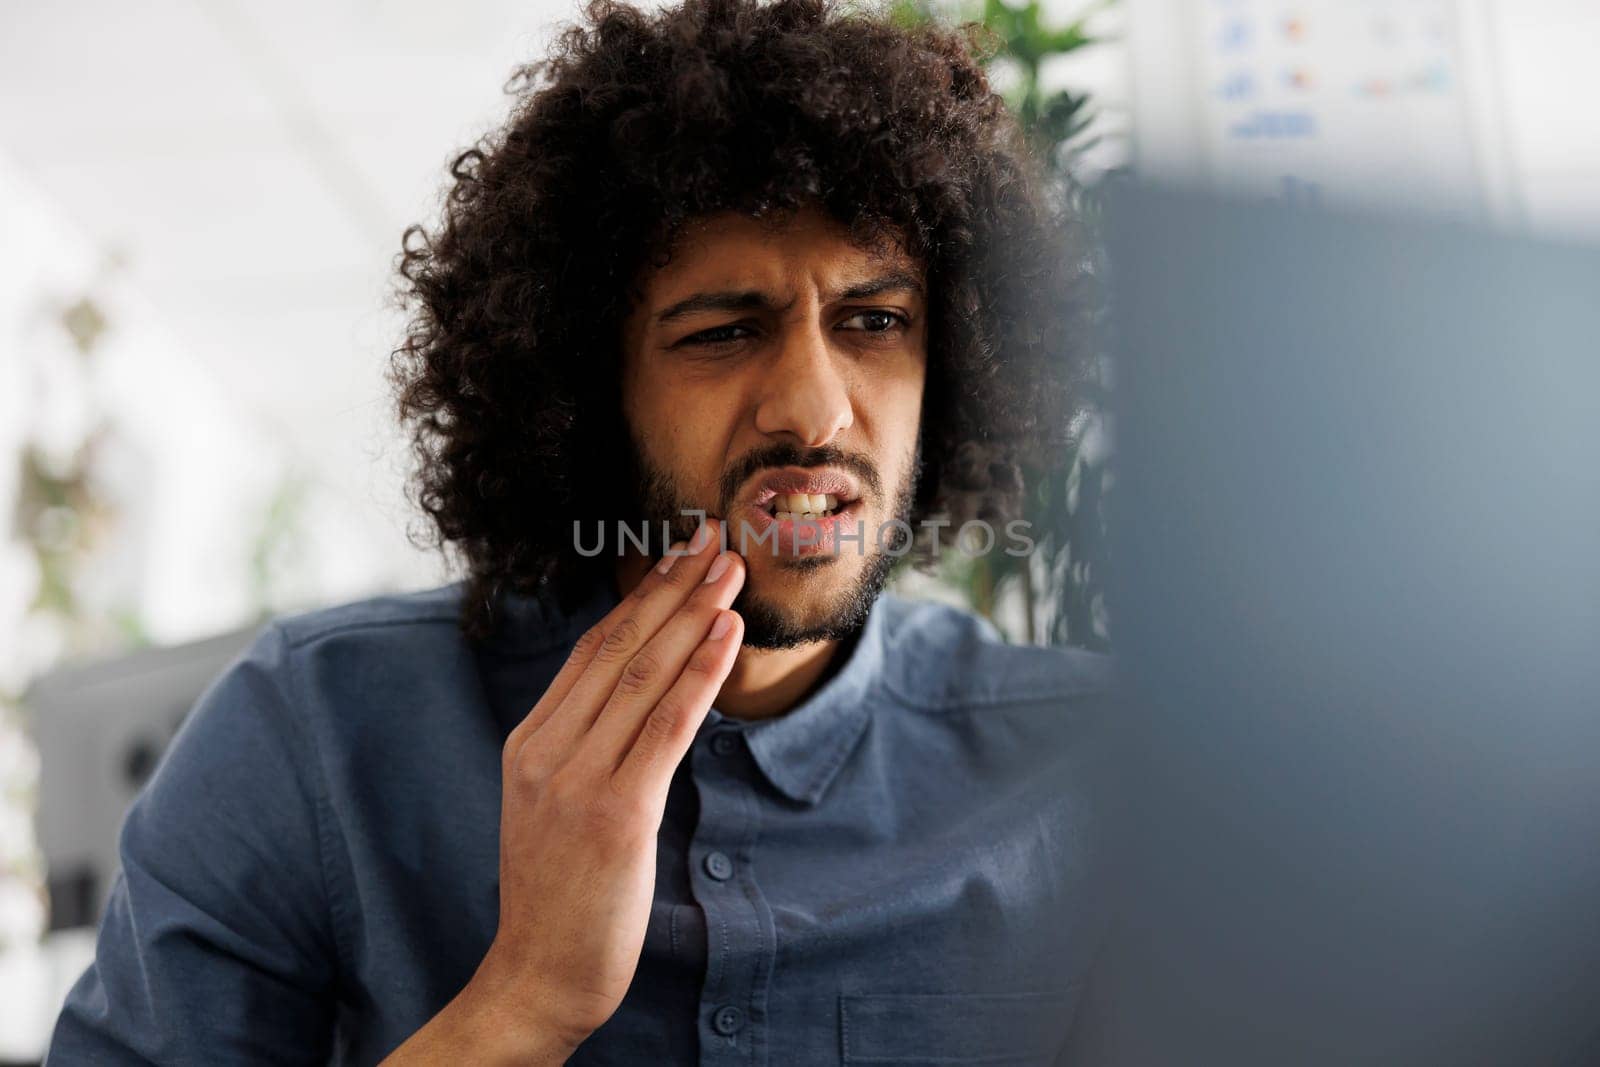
(508, 377)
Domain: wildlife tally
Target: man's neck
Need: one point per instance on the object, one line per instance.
(764, 683)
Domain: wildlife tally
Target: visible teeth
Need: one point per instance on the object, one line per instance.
(801, 503)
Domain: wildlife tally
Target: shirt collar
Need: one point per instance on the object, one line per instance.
(801, 751)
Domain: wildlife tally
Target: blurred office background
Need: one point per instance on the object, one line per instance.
(200, 203)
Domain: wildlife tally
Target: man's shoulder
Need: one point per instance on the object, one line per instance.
(356, 665)
(389, 643)
(939, 656)
(384, 618)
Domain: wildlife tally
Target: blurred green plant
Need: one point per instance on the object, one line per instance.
(1057, 122)
(1065, 504)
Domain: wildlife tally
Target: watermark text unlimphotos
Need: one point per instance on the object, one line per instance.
(974, 537)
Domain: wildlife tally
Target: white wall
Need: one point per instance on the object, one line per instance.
(233, 180)
(1551, 85)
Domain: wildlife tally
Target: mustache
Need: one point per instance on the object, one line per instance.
(782, 454)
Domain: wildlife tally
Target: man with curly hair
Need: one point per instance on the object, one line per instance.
(745, 301)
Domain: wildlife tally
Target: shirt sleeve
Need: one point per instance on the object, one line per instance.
(217, 944)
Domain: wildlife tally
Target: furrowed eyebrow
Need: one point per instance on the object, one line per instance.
(894, 282)
(748, 300)
(754, 300)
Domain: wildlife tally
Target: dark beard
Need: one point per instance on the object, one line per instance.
(767, 625)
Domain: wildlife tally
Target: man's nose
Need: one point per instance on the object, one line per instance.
(806, 395)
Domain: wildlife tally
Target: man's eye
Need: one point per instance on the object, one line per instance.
(717, 335)
(874, 321)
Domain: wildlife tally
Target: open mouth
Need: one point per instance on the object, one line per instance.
(800, 512)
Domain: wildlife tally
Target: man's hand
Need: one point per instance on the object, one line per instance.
(585, 780)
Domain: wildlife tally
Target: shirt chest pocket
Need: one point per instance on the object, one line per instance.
(954, 1028)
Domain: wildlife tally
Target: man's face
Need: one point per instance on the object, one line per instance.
(762, 362)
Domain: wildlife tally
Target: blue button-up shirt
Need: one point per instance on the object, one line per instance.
(904, 868)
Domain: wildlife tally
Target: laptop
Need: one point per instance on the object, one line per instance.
(1356, 604)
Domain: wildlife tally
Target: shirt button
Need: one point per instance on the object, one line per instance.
(727, 1020)
(724, 743)
(719, 866)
